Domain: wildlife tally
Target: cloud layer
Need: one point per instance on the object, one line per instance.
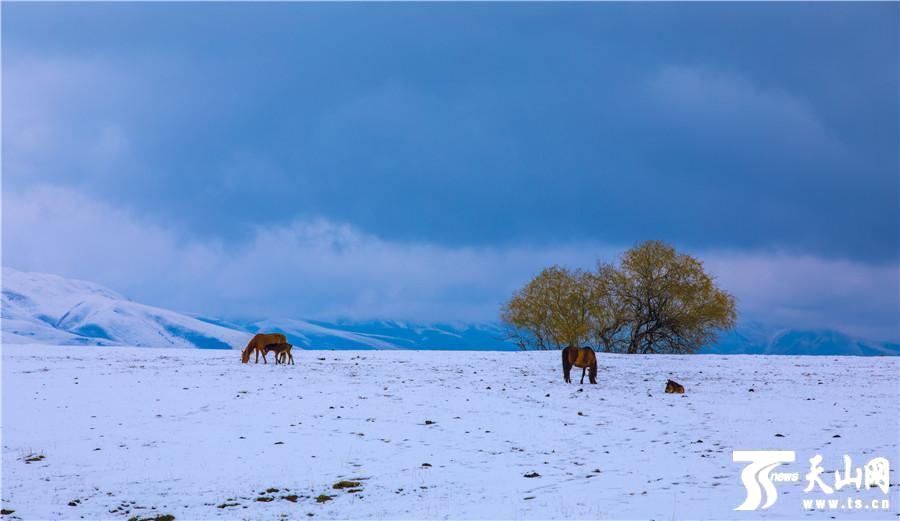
(420, 161)
(470, 124)
(329, 270)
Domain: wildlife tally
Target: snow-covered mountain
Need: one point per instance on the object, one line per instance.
(48, 309)
(756, 339)
(378, 334)
(388, 335)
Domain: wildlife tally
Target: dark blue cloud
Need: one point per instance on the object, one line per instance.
(741, 126)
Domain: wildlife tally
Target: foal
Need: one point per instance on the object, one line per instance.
(282, 351)
(674, 387)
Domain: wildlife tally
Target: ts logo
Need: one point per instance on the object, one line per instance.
(756, 475)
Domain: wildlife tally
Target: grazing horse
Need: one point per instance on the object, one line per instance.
(282, 351)
(584, 358)
(258, 343)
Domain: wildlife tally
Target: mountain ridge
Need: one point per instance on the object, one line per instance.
(48, 309)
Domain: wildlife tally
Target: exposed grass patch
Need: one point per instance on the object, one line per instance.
(264, 499)
(160, 517)
(292, 498)
(227, 504)
(34, 457)
(6, 512)
(345, 484)
(323, 498)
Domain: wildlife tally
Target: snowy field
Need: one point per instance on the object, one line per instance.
(114, 433)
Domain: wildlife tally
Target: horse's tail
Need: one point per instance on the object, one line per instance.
(567, 365)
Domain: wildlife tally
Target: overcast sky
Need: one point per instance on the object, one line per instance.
(420, 161)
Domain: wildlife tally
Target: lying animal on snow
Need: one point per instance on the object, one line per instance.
(674, 387)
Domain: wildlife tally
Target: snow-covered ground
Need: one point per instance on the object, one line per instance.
(123, 432)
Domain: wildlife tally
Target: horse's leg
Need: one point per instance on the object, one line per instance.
(583, 370)
(257, 355)
(264, 356)
(593, 373)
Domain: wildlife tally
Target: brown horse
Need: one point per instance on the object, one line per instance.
(584, 358)
(674, 387)
(258, 343)
(282, 352)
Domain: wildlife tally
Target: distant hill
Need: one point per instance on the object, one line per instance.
(755, 339)
(379, 334)
(47, 309)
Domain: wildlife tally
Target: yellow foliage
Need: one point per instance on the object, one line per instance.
(655, 301)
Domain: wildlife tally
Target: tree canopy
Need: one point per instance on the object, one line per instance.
(654, 300)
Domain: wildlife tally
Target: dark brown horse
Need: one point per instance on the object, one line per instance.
(582, 357)
(282, 352)
(258, 343)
